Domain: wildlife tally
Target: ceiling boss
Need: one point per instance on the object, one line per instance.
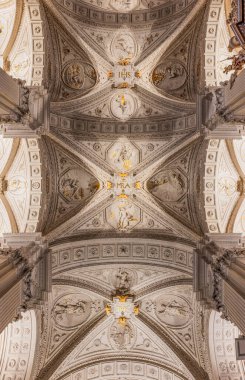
(122, 306)
(123, 76)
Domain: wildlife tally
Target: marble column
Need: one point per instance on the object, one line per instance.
(219, 280)
(25, 280)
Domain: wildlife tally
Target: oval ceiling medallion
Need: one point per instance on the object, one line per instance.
(123, 46)
(124, 5)
(73, 75)
(169, 76)
(123, 105)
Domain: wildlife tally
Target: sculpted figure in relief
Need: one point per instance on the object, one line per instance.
(68, 307)
(123, 280)
(71, 310)
(73, 76)
(173, 310)
(122, 158)
(169, 76)
(126, 217)
(167, 185)
(122, 336)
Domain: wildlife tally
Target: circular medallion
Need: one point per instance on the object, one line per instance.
(123, 106)
(72, 310)
(73, 75)
(173, 310)
(124, 5)
(169, 76)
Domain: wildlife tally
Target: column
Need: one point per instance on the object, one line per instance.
(217, 108)
(25, 279)
(24, 110)
(219, 280)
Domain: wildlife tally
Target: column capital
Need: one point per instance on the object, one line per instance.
(32, 265)
(214, 270)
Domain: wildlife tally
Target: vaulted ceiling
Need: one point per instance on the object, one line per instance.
(122, 189)
(121, 163)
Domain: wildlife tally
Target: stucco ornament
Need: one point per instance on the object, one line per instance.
(124, 74)
(122, 280)
(123, 155)
(79, 75)
(125, 5)
(73, 186)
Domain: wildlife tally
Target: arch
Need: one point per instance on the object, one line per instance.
(221, 186)
(17, 347)
(222, 336)
(24, 58)
(216, 44)
(156, 252)
(129, 370)
(20, 181)
(89, 354)
(8, 16)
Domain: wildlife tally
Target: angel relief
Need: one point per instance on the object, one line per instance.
(123, 45)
